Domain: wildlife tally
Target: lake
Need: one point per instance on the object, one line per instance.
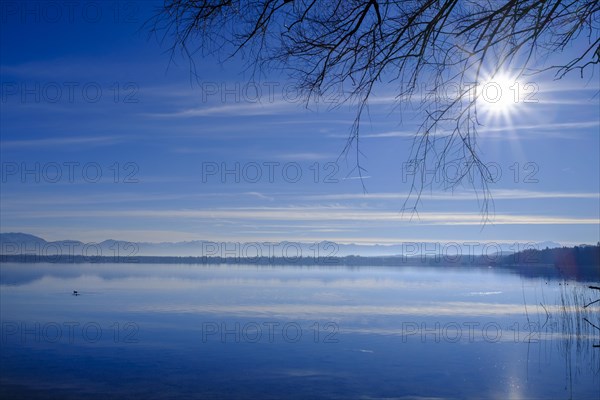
(158, 331)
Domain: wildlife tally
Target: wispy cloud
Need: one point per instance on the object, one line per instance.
(319, 214)
(542, 127)
(390, 134)
(25, 199)
(232, 110)
(67, 68)
(306, 156)
(356, 177)
(64, 141)
(557, 130)
(259, 195)
(497, 194)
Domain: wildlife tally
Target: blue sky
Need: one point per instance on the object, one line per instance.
(88, 92)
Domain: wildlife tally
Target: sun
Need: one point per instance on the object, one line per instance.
(498, 96)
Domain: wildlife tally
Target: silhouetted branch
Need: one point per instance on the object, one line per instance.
(353, 45)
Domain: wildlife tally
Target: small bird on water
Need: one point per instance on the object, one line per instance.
(75, 293)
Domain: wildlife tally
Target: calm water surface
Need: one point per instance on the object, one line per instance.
(245, 331)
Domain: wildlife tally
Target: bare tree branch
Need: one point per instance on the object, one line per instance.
(353, 45)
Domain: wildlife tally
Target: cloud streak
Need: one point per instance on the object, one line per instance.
(498, 194)
(64, 141)
(317, 214)
(232, 110)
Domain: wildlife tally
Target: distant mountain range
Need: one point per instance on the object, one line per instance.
(23, 243)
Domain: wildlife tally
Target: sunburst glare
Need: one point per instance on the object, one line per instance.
(499, 100)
